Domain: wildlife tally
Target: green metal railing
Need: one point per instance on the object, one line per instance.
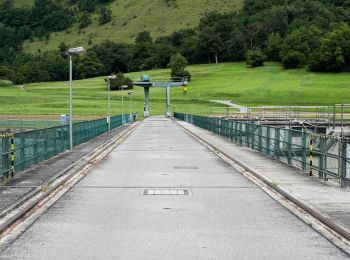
(33, 147)
(330, 160)
(27, 124)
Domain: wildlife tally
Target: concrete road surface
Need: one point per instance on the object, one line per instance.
(216, 214)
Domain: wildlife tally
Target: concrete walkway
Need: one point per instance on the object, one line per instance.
(216, 212)
(326, 198)
(25, 182)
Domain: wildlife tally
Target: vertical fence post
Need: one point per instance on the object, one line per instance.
(322, 158)
(260, 138)
(12, 158)
(268, 140)
(5, 157)
(304, 149)
(290, 147)
(277, 143)
(311, 156)
(342, 156)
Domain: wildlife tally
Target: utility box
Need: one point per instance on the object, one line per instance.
(64, 120)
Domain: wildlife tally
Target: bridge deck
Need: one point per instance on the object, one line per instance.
(108, 215)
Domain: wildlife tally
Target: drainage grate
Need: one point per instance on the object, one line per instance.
(165, 192)
(186, 167)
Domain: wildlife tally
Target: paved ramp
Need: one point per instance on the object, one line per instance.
(123, 209)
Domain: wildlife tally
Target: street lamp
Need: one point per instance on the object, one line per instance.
(109, 100)
(123, 87)
(130, 94)
(70, 53)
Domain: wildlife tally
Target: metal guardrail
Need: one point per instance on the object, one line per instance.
(32, 147)
(27, 124)
(330, 154)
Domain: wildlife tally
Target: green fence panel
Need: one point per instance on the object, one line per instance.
(35, 146)
(331, 158)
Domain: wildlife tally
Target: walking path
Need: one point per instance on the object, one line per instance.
(329, 200)
(229, 103)
(26, 182)
(162, 195)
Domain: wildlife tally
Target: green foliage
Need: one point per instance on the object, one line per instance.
(105, 15)
(293, 59)
(90, 66)
(121, 80)
(298, 45)
(170, 3)
(273, 48)
(334, 53)
(85, 20)
(255, 59)
(178, 64)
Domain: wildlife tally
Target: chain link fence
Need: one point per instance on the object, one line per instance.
(329, 158)
(32, 147)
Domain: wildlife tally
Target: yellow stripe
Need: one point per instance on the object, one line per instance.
(13, 158)
(311, 157)
(311, 146)
(12, 146)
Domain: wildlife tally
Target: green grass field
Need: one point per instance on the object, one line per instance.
(269, 85)
(131, 17)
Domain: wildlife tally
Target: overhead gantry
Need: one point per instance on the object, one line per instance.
(147, 83)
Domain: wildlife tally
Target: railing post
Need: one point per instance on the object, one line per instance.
(304, 151)
(268, 140)
(290, 147)
(260, 138)
(322, 158)
(5, 157)
(342, 155)
(22, 152)
(277, 143)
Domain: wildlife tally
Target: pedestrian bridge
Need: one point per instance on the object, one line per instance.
(165, 193)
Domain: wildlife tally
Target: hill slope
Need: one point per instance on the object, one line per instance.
(268, 85)
(133, 16)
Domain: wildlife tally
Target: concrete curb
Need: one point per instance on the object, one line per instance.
(313, 211)
(38, 194)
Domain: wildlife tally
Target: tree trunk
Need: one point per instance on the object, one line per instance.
(216, 58)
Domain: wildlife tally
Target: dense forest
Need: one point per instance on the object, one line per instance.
(314, 34)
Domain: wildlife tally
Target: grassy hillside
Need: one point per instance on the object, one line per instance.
(269, 85)
(133, 16)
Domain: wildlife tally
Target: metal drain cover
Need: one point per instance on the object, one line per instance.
(186, 167)
(165, 192)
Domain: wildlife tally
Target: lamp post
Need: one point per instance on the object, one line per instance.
(123, 102)
(109, 100)
(130, 94)
(70, 53)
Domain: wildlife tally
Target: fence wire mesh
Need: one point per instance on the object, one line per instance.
(330, 154)
(33, 147)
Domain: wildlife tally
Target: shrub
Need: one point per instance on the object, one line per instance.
(121, 80)
(255, 59)
(293, 60)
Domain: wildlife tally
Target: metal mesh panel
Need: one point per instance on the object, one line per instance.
(32, 147)
(330, 154)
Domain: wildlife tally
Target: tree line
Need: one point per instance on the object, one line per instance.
(298, 33)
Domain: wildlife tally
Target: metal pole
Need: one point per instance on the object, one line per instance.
(70, 102)
(109, 104)
(130, 107)
(146, 108)
(122, 105)
(168, 113)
